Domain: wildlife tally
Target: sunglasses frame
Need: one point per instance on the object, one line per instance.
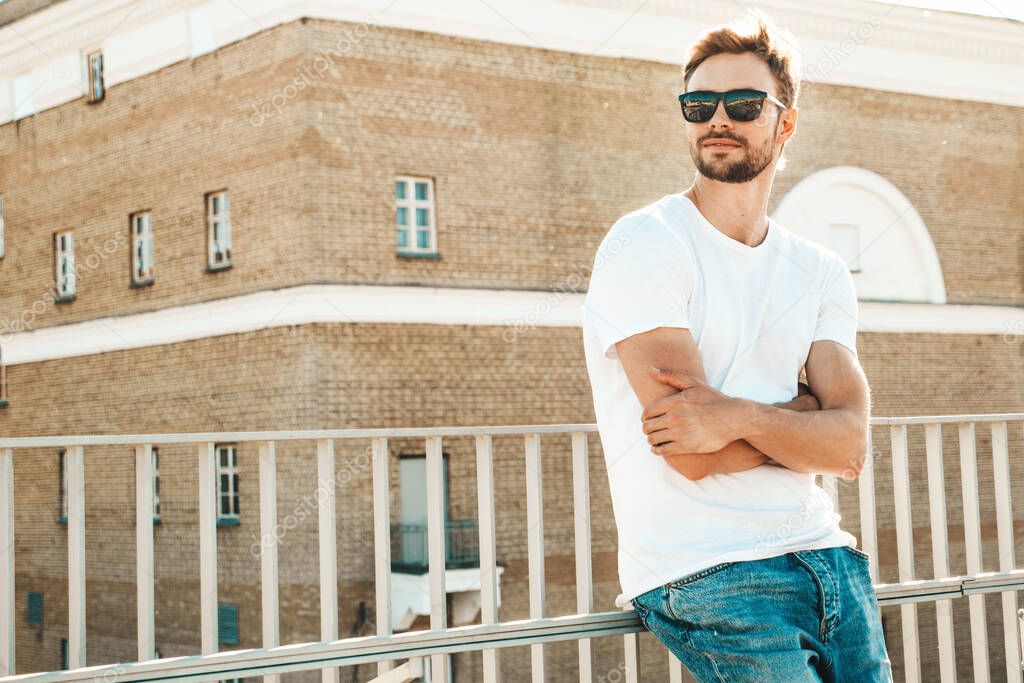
(720, 97)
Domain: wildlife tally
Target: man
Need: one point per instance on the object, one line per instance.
(701, 315)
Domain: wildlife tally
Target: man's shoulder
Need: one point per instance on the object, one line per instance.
(657, 221)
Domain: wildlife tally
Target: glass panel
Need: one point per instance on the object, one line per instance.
(422, 239)
(403, 238)
(400, 189)
(223, 483)
(421, 190)
(402, 216)
(421, 218)
(216, 203)
(225, 504)
(223, 457)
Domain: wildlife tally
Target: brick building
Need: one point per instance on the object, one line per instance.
(339, 216)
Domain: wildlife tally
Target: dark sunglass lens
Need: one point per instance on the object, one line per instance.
(698, 108)
(745, 106)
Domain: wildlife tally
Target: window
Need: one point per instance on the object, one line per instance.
(227, 623)
(845, 241)
(94, 62)
(414, 216)
(63, 464)
(64, 654)
(64, 263)
(227, 485)
(1, 227)
(21, 92)
(142, 247)
(35, 608)
(218, 222)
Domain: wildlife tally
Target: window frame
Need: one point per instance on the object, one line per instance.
(411, 204)
(96, 82)
(136, 238)
(213, 219)
(233, 517)
(65, 289)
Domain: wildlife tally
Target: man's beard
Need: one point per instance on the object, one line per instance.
(725, 171)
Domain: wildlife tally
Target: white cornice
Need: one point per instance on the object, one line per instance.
(916, 51)
(518, 312)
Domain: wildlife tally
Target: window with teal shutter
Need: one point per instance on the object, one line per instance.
(227, 623)
(35, 608)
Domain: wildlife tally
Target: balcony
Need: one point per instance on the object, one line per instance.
(409, 549)
(906, 480)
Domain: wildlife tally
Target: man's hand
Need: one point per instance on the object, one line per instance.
(697, 419)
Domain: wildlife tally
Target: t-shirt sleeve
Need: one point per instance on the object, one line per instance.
(838, 311)
(642, 279)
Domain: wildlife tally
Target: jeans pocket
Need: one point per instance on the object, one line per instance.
(691, 579)
(859, 554)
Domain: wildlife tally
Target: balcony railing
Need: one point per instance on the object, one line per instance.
(410, 551)
(427, 650)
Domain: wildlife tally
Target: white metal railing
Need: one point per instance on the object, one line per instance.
(426, 650)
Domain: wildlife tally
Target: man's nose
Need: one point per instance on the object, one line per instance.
(721, 118)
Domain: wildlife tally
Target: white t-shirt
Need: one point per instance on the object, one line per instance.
(753, 312)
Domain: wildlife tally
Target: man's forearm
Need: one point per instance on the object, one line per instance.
(737, 456)
(831, 442)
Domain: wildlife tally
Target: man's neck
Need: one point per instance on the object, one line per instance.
(738, 210)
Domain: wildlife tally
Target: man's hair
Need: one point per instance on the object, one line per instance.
(760, 36)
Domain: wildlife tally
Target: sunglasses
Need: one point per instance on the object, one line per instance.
(741, 105)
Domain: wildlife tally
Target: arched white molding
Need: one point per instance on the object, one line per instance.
(870, 223)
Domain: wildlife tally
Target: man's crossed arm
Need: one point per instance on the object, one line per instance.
(701, 431)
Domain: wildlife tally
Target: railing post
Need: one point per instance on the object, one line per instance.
(7, 628)
(868, 521)
(535, 547)
(382, 542)
(940, 549)
(145, 605)
(972, 533)
(905, 548)
(208, 547)
(584, 569)
(74, 461)
(1004, 526)
(328, 550)
(488, 549)
(436, 542)
(266, 550)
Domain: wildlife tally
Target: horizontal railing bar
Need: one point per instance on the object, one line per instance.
(947, 419)
(391, 432)
(350, 651)
(951, 587)
(291, 435)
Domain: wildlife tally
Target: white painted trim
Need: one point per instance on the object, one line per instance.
(912, 50)
(518, 311)
(880, 187)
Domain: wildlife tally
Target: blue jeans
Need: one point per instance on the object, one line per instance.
(808, 615)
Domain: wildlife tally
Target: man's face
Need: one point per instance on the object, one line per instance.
(745, 148)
